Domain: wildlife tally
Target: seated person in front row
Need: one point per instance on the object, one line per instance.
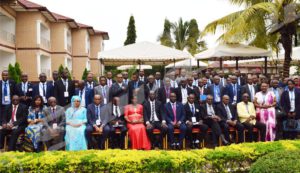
(117, 122)
(55, 122)
(154, 119)
(194, 119)
(14, 123)
(247, 116)
(98, 118)
(213, 121)
(175, 117)
(229, 115)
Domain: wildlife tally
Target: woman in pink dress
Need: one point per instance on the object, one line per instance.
(135, 124)
(265, 103)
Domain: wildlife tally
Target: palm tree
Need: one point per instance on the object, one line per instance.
(181, 34)
(263, 23)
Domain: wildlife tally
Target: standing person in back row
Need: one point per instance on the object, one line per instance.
(64, 89)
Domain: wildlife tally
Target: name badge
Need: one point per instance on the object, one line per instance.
(66, 94)
(193, 119)
(98, 122)
(218, 99)
(105, 101)
(44, 99)
(54, 125)
(234, 98)
(6, 98)
(168, 100)
(30, 89)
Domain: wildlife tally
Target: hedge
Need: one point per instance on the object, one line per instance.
(278, 162)
(234, 158)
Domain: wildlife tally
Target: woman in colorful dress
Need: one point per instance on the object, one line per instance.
(76, 120)
(35, 121)
(265, 102)
(135, 124)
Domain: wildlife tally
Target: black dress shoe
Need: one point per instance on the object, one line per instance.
(224, 141)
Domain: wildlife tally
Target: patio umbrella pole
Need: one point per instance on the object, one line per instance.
(221, 64)
(236, 63)
(198, 65)
(266, 64)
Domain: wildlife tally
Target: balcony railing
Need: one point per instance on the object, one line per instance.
(69, 47)
(45, 42)
(7, 36)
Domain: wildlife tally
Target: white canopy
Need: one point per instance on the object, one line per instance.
(143, 53)
(125, 67)
(232, 51)
(295, 54)
(187, 63)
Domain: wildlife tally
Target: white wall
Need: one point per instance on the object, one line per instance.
(6, 58)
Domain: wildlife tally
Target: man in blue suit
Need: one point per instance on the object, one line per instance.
(234, 91)
(85, 93)
(175, 117)
(216, 90)
(43, 88)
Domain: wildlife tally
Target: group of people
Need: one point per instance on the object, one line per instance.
(65, 115)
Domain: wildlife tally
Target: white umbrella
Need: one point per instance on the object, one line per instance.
(192, 62)
(125, 67)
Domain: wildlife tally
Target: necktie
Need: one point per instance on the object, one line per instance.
(152, 112)
(234, 89)
(24, 88)
(211, 110)
(174, 112)
(97, 112)
(44, 91)
(167, 92)
(5, 89)
(193, 110)
(228, 112)
(13, 113)
(53, 115)
(103, 92)
(117, 111)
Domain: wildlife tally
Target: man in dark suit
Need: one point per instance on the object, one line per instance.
(55, 122)
(133, 85)
(200, 91)
(213, 121)
(216, 90)
(7, 90)
(109, 78)
(234, 91)
(117, 122)
(183, 91)
(64, 89)
(103, 90)
(158, 82)
(150, 86)
(85, 93)
(142, 76)
(153, 119)
(208, 78)
(14, 123)
(163, 94)
(175, 117)
(25, 90)
(230, 119)
(290, 101)
(250, 89)
(240, 79)
(43, 88)
(55, 77)
(119, 89)
(125, 77)
(98, 118)
(194, 119)
(90, 83)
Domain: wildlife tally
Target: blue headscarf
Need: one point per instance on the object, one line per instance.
(73, 100)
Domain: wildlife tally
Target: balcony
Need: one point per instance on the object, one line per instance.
(69, 48)
(7, 36)
(46, 43)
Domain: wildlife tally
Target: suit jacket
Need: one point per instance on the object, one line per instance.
(60, 117)
(229, 92)
(179, 94)
(204, 108)
(168, 112)
(113, 81)
(117, 91)
(149, 88)
(280, 91)
(29, 93)
(105, 114)
(244, 114)
(49, 90)
(114, 118)
(98, 91)
(89, 95)
(286, 104)
(161, 83)
(147, 110)
(198, 112)
(245, 89)
(21, 115)
(131, 88)
(161, 94)
(242, 80)
(221, 111)
(12, 88)
(197, 92)
(59, 89)
(212, 92)
(225, 82)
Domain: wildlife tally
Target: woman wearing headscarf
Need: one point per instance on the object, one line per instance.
(35, 119)
(76, 120)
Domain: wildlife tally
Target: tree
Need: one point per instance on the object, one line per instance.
(165, 38)
(85, 73)
(131, 32)
(262, 23)
(194, 45)
(12, 73)
(180, 31)
(18, 71)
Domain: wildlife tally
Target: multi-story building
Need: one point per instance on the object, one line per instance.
(41, 40)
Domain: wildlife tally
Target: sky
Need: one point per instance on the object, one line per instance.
(113, 15)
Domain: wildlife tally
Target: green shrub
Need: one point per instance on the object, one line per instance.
(234, 158)
(278, 162)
